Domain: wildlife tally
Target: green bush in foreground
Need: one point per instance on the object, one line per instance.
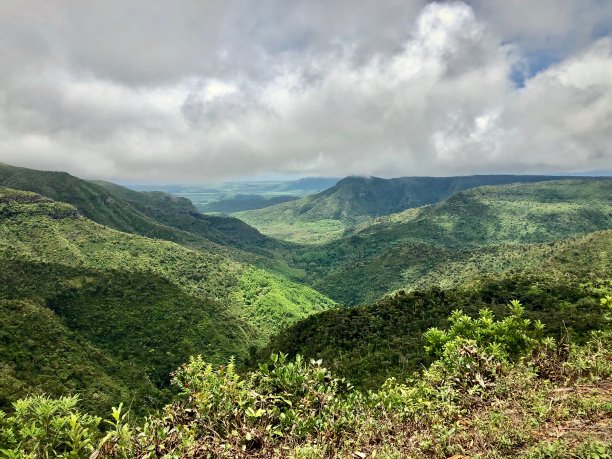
(41, 427)
(488, 375)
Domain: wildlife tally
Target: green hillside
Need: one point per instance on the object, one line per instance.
(180, 213)
(401, 250)
(324, 216)
(227, 196)
(559, 283)
(147, 302)
(152, 214)
(486, 374)
(92, 201)
(242, 202)
(40, 354)
(156, 215)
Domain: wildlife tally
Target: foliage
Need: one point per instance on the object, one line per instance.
(368, 344)
(40, 354)
(324, 216)
(41, 427)
(509, 338)
(462, 404)
(149, 304)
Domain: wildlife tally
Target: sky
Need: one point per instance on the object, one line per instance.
(199, 91)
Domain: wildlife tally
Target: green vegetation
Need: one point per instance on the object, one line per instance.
(487, 224)
(40, 354)
(148, 303)
(234, 196)
(241, 202)
(324, 216)
(486, 375)
(106, 291)
(367, 344)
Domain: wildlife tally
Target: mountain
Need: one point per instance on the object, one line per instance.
(241, 202)
(232, 196)
(312, 184)
(151, 214)
(180, 213)
(148, 303)
(559, 283)
(401, 250)
(325, 215)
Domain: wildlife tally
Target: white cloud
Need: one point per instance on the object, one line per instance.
(428, 90)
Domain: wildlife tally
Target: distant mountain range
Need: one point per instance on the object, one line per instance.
(228, 197)
(357, 199)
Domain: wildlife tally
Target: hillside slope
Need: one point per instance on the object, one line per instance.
(180, 213)
(325, 215)
(40, 354)
(149, 302)
(157, 215)
(560, 284)
(152, 214)
(400, 250)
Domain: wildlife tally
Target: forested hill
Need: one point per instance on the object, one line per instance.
(116, 317)
(139, 303)
(152, 214)
(327, 214)
(402, 250)
(559, 283)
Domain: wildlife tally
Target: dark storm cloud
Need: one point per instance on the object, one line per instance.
(191, 90)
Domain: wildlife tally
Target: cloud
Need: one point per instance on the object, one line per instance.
(213, 90)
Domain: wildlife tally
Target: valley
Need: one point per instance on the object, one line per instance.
(306, 230)
(230, 197)
(325, 216)
(105, 291)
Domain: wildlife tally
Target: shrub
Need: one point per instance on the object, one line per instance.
(472, 353)
(228, 413)
(41, 427)
(299, 409)
(508, 339)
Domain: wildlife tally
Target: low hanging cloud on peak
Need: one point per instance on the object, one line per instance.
(202, 91)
